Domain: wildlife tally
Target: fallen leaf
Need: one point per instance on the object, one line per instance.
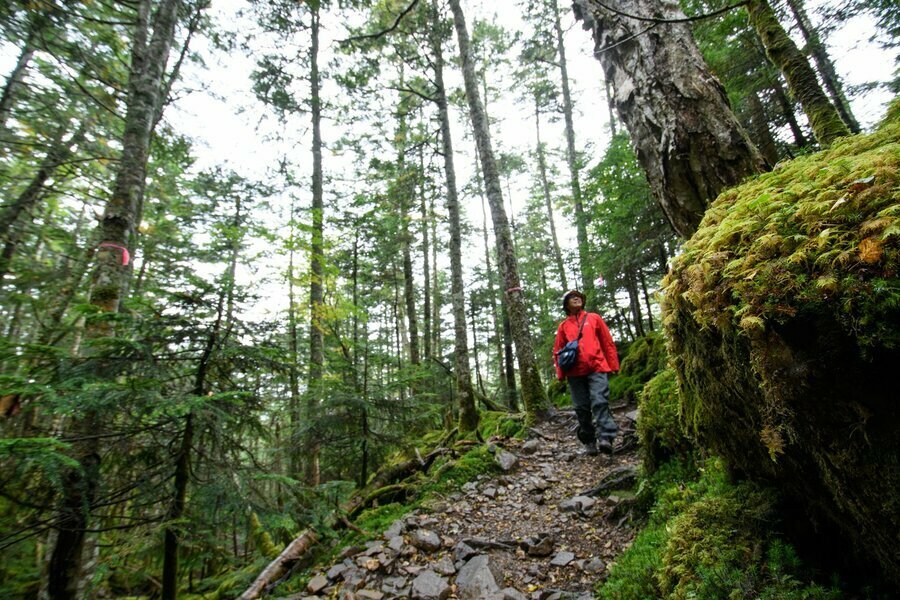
(870, 250)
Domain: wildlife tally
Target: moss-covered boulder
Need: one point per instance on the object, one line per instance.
(643, 359)
(659, 427)
(783, 319)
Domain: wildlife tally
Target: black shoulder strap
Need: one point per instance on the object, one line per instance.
(580, 327)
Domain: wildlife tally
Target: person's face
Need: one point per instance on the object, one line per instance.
(574, 303)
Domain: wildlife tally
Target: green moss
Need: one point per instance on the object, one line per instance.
(781, 315)
(644, 358)
(503, 424)
(709, 538)
(659, 427)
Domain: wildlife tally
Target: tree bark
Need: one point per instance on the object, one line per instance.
(787, 110)
(15, 79)
(532, 391)
(687, 138)
(759, 129)
(545, 188)
(468, 414)
(801, 79)
(117, 230)
(824, 64)
(581, 218)
(316, 261)
(426, 265)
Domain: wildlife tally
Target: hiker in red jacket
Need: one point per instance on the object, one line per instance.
(589, 376)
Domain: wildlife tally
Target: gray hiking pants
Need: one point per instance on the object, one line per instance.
(590, 396)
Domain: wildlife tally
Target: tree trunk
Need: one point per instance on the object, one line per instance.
(687, 138)
(16, 77)
(634, 302)
(825, 66)
(532, 390)
(787, 110)
(646, 299)
(426, 265)
(59, 152)
(116, 231)
(801, 79)
(316, 262)
(468, 414)
(545, 188)
(759, 129)
(581, 218)
(610, 103)
(295, 457)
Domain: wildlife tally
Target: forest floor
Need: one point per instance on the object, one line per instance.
(532, 532)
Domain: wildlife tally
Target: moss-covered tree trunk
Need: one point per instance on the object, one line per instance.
(824, 64)
(801, 79)
(316, 259)
(687, 138)
(116, 233)
(532, 391)
(468, 415)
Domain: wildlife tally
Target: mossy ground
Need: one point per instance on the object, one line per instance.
(708, 538)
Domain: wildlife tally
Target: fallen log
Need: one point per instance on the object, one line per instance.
(281, 565)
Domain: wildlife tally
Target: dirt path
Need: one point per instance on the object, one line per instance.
(523, 534)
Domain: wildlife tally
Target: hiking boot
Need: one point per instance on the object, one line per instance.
(591, 449)
(605, 446)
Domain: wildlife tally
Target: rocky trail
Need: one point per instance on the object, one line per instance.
(541, 530)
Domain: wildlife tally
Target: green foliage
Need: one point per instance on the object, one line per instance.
(659, 427)
(502, 424)
(709, 539)
(645, 357)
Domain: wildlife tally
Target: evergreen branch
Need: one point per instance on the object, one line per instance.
(392, 28)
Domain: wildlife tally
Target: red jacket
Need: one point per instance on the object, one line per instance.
(596, 350)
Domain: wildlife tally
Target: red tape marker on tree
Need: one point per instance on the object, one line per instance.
(126, 257)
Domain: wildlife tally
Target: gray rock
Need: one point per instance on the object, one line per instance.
(317, 584)
(444, 566)
(470, 486)
(463, 551)
(428, 585)
(490, 492)
(542, 545)
(509, 594)
(393, 585)
(367, 594)
(396, 543)
(507, 460)
(354, 579)
(476, 580)
(536, 484)
(368, 563)
(562, 559)
(531, 446)
(632, 415)
(579, 504)
(425, 539)
(595, 565)
(336, 571)
(396, 528)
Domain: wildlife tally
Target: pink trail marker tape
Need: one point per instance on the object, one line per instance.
(126, 257)
(513, 289)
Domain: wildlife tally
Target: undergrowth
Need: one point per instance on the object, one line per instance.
(709, 538)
